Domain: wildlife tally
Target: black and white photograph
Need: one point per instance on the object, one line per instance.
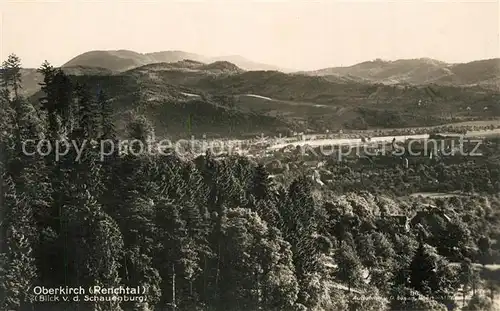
(249, 155)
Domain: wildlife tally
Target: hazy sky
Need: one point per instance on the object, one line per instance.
(295, 34)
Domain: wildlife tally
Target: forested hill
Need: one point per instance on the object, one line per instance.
(422, 71)
(215, 233)
(222, 99)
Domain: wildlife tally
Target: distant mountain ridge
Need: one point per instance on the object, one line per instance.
(178, 67)
(122, 60)
(422, 71)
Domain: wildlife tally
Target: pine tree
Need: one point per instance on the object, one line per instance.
(6, 115)
(15, 108)
(467, 277)
(366, 250)
(424, 264)
(17, 264)
(431, 275)
(140, 128)
(63, 101)
(260, 183)
(107, 126)
(87, 113)
(101, 258)
(257, 268)
(48, 102)
(172, 236)
(349, 266)
(484, 246)
(136, 219)
(299, 226)
(57, 101)
(11, 74)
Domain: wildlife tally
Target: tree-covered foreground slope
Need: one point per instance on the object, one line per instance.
(210, 233)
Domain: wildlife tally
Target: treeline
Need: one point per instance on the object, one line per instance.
(208, 234)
